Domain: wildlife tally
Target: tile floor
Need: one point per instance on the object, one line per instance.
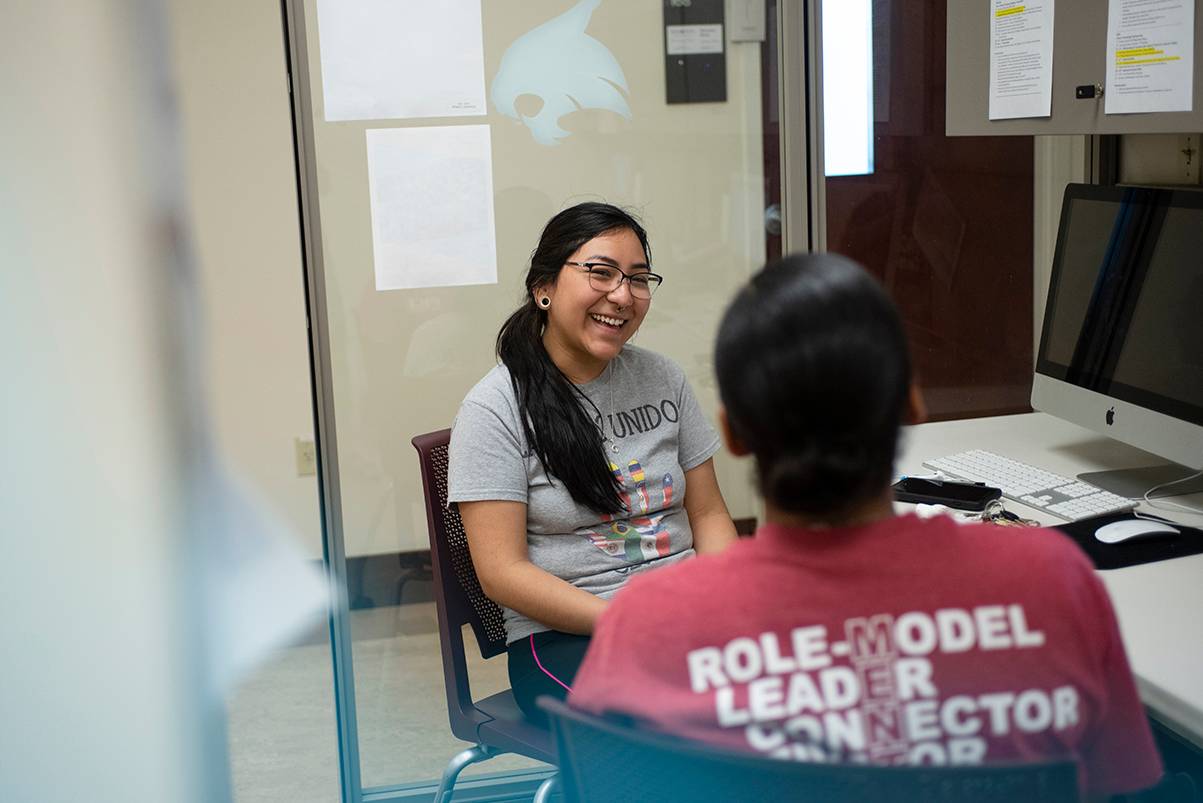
(282, 738)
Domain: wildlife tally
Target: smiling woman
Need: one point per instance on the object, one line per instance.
(580, 460)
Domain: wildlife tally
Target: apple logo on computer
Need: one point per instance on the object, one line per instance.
(1111, 416)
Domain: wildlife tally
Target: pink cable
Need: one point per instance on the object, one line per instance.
(539, 664)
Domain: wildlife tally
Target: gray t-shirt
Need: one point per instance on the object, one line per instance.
(649, 412)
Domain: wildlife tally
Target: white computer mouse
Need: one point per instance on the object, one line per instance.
(1120, 531)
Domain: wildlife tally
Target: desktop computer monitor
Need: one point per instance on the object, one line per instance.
(1121, 351)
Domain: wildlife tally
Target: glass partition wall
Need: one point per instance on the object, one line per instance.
(422, 209)
(945, 222)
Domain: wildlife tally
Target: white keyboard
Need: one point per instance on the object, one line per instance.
(1066, 498)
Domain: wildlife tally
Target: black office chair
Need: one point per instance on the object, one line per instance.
(494, 725)
(602, 761)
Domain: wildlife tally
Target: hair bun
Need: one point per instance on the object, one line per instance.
(820, 481)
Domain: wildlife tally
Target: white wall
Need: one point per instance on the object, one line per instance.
(234, 105)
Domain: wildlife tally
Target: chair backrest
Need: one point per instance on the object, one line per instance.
(602, 761)
(458, 595)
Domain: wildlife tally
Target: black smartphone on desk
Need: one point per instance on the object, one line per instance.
(959, 495)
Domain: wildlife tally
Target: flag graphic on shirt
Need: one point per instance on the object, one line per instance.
(613, 542)
(623, 496)
(636, 471)
(639, 538)
(653, 542)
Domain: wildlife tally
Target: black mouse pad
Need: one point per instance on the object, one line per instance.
(1147, 549)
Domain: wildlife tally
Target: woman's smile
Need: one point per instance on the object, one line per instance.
(611, 323)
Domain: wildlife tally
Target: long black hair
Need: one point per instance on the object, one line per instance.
(558, 429)
(814, 373)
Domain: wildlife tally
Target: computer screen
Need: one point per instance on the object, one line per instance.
(1121, 351)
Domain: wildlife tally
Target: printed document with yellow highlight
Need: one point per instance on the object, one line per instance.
(1021, 58)
(1150, 56)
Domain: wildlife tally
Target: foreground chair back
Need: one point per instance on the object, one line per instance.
(602, 762)
(495, 724)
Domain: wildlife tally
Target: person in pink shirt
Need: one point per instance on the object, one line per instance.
(844, 632)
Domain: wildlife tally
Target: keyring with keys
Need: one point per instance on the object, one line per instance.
(995, 513)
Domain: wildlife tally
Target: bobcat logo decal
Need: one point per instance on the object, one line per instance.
(563, 66)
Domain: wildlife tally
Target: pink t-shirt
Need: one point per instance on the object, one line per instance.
(906, 641)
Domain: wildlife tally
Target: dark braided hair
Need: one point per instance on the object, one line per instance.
(558, 429)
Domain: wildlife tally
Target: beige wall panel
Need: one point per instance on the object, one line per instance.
(234, 106)
(1163, 159)
(1079, 57)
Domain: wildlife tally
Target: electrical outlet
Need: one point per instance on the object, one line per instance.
(306, 457)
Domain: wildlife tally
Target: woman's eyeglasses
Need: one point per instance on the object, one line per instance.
(607, 278)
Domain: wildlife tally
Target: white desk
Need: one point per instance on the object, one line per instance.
(1159, 605)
